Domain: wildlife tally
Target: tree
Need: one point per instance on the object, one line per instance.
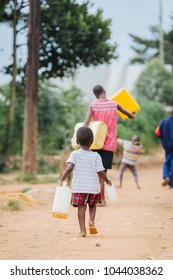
(71, 36)
(155, 83)
(11, 13)
(66, 40)
(31, 95)
(146, 49)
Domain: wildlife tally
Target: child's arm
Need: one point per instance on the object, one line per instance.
(103, 175)
(120, 141)
(127, 113)
(67, 171)
(142, 150)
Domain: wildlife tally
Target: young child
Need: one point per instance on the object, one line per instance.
(131, 151)
(87, 167)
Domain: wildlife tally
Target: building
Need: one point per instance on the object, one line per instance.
(111, 77)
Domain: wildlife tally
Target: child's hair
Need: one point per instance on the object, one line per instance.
(136, 138)
(85, 136)
(98, 90)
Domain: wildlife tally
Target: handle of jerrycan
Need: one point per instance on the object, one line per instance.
(65, 184)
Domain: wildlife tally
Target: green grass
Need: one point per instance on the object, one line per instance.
(14, 205)
(26, 189)
(36, 180)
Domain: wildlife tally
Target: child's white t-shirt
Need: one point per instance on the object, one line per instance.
(86, 165)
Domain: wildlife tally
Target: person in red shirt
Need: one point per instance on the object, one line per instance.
(105, 110)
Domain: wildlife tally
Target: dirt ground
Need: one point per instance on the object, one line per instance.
(139, 226)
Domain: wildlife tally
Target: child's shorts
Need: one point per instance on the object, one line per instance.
(84, 198)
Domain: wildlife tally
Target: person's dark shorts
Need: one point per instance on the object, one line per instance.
(107, 158)
(85, 198)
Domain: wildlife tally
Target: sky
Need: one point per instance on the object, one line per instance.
(128, 16)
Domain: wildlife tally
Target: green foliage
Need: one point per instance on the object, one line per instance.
(71, 36)
(18, 117)
(4, 103)
(34, 180)
(168, 44)
(59, 111)
(154, 90)
(14, 205)
(146, 49)
(144, 125)
(7, 9)
(2, 10)
(156, 82)
(46, 166)
(26, 189)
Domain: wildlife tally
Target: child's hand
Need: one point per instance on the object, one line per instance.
(134, 115)
(110, 182)
(61, 183)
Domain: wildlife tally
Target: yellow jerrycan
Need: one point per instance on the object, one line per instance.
(126, 100)
(61, 202)
(99, 130)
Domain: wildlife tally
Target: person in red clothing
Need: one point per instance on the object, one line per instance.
(105, 110)
(165, 132)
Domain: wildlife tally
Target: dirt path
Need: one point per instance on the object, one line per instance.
(138, 226)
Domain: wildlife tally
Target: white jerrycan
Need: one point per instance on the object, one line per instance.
(61, 203)
(111, 192)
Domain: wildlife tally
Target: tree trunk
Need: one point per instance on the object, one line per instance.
(31, 96)
(10, 117)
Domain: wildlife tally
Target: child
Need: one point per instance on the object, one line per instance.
(131, 151)
(87, 166)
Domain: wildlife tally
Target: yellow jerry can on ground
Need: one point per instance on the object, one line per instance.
(99, 130)
(125, 99)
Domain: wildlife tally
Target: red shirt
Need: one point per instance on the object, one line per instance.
(106, 111)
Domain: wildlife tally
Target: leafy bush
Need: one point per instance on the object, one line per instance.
(155, 83)
(145, 123)
(14, 205)
(59, 111)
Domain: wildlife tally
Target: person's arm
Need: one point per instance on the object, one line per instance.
(67, 171)
(141, 150)
(88, 117)
(120, 141)
(103, 175)
(127, 113)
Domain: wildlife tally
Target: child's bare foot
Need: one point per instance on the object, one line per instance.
(82, 234)
(119, 186)
(138, 187)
